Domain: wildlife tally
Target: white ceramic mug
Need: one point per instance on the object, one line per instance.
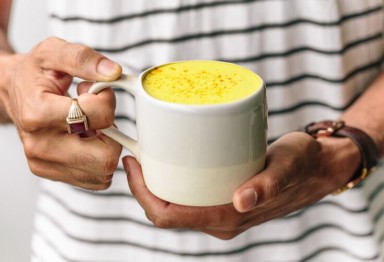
(194, 155)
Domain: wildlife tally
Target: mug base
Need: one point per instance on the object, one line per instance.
(196, 186)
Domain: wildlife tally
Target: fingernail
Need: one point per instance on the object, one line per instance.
(248, 199)
(107, 68)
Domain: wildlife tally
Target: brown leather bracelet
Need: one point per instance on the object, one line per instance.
(367, 147)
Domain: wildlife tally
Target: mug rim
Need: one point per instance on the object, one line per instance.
(202, 107)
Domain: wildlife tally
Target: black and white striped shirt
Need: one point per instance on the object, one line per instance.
(316, 56)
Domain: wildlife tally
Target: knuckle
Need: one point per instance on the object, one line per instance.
(111, 162)
(35, 168)
(44, 45)
(90, 187)
(31, 117)
(162, 223)
(39, 169)
(29, 120)
(50, 40)
(31, 150)
(91, 182)
(84, 180)
(101, 186)
(105, 179)
(148, 215)
(272, 188)
(105, 116)
(105, 186)
(82, 54)
(158, 220)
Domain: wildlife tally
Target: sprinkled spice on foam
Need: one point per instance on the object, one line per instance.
(201, 82)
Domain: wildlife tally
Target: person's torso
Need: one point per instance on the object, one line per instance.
(316, 56)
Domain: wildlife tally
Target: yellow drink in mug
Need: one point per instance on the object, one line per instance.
(201, 82)
(202, 128)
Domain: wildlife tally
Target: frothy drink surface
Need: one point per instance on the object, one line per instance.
(201, 82)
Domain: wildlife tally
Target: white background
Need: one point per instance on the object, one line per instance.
(18, 190)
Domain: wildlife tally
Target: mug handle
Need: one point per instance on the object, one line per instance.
(126, 82)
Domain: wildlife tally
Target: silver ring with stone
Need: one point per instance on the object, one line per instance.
(76, 119)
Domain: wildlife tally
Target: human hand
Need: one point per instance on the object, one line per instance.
(299, 171)
(34, 96)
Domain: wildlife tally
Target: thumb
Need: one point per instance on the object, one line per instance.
(137, 185)
(135, 176)
(76, 60)
(261, 188)
(245, 199)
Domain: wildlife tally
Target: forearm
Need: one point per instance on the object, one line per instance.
(5, 11)
(367, 113)
(5, 46)
(5, 69)
(5, 62)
